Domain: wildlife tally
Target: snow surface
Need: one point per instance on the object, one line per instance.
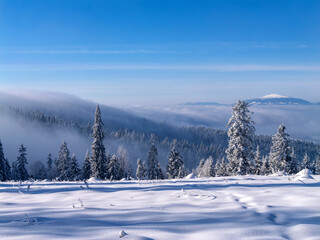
(273, 96)
(248, 207)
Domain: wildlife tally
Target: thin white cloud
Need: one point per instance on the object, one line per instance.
(134, 51)
(200, 68)
(165, 48)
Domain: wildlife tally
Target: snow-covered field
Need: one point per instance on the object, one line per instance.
(250, 207)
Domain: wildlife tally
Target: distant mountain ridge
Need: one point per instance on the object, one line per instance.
(276, 99)
(204, 104)
(271, 99)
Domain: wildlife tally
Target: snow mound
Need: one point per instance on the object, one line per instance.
(304, 174)
(122, 234)
(93, 179)
(123, 180)
(46, 180)
(190, 176)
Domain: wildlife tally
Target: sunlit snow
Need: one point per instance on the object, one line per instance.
(249, 207)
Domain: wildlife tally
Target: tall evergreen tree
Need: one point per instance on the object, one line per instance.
(7, 169)
(98, 159)
(222, 170)
(175, 164)
(200, 166)
(265, 168)
(258, 162)
(50, 170)
(295, 160)
(49, 162)
(125, 168)
(4, 166)
(208, 169)
(38, 170)
(306, 161)
(292, 165)
(86, 170)
(216, 168)
(313, 165)
(241, 131)
(280, 158)
(2, 160)
(141, 170)
(21, 164)
(114, 168)
(159, 172)
(14, 171)
(317, 165)
(74, 168)
(182, 172)
(63, 162)
(153, 167)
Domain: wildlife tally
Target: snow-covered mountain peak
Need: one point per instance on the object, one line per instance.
(273, 96)
(276, 99)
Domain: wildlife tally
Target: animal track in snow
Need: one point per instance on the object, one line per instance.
(194, 194)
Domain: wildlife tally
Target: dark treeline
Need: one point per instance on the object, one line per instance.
(204, 151)
(193, 143)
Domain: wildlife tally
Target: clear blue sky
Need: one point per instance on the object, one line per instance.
(161, 52)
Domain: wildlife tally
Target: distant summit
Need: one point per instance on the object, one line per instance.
(273, 96)
(276, 99)
(270, 99)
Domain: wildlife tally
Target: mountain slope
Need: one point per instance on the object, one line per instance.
(70, 107)
(278, 100)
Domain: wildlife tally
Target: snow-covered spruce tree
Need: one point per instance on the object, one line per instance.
(74, 169)
(295, 160)
(63, 162)
(222, 170)
(292, 165)
(200, 166)
(98, 158)
(265, 168)
(105, 166)
(306, 161)
(182, 172)
(175, 164)
(208, 168)
(125, 168)
(317, 165)
(49, 166)
(241, 131)
(42, 173)
(159, 171)
(153, 167)
(114, 170)
(14, 171)
(38, 170)
(49, 162)
(7, 169)
(141, 170)
(86, 169)
(2, 160)
(280, 157)
(21, 164)
(4, 166)
(216, 168)
(312, 166)
(258, 162)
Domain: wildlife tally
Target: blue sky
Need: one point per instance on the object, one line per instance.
(161, 52)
